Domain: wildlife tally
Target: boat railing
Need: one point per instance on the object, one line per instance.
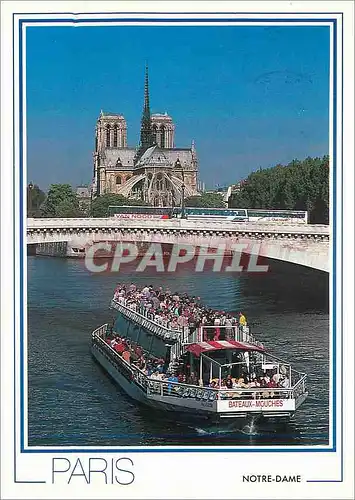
(165, 387)
(271, 361)
(300, 387)
(188, 391)
(232, 332)
(140, 315)
(180, 390)
(101, 331)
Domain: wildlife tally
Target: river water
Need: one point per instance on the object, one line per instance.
(73, 402)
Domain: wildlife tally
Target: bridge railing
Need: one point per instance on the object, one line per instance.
(185, 224)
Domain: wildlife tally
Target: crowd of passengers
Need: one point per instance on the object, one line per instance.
(267, 379)
(161, 369)
(178, 311)
(151, 366)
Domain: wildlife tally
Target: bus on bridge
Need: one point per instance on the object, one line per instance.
(213, 214)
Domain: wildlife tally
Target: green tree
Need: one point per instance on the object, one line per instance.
(61, 202)
(35, 199)
(67, 208)
(300, 185)
(206, 200)
(100, 205)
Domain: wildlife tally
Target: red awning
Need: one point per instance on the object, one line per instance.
(220, 345)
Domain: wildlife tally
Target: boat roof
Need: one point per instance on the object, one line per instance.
(215, 345)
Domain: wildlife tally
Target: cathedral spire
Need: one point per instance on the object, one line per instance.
(146, 110)
(146, 128)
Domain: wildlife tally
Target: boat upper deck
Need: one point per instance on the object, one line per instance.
(178, 317)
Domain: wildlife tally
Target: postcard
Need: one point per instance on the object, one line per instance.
(178, 250)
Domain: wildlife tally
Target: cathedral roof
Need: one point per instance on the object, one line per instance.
(154, 156)
(123, 155)
(111, 115)
(161, 116)
(184, 154)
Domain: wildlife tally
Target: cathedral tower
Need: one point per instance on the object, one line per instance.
(163, 130)
(111, 131)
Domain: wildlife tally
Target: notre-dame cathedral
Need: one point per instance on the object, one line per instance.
(156, 172)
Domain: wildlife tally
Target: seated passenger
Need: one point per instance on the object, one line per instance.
(120, 347)
(229, 382)
(240, 382)
(171, 378)
(112, 342)
(285, 383)
(149, 369)
(139, 351)
(141, 363)
(254, 382)
(283, 370)
(266, 378)
(160, 367)
(126, 355)
(192, 379)
(271, 383)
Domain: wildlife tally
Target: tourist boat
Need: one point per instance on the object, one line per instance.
(239, 353)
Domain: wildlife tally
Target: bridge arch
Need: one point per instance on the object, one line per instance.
(307, 246)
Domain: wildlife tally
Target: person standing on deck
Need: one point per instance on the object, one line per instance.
(229, 328)
(217, 332)
(242, 320)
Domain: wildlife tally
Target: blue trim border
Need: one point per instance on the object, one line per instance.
(19, 273)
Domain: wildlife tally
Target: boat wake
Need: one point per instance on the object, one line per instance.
(225, 431)
(201, 431)
(250, 430)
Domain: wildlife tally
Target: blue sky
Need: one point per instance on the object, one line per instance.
(250, 97)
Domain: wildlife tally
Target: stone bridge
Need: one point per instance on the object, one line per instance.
(303, 244)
